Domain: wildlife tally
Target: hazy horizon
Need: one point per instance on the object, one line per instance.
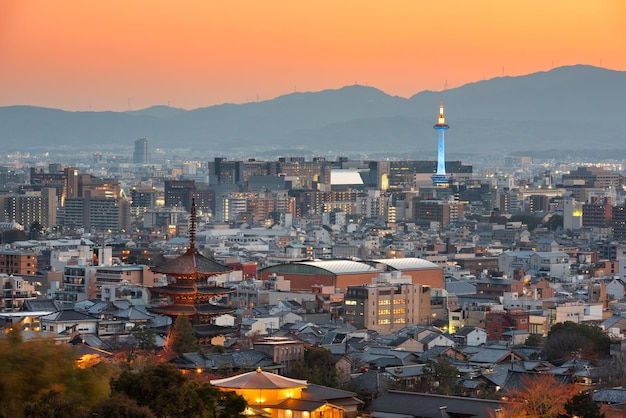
(117, 55)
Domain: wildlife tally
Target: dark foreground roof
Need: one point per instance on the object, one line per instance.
(424, 405)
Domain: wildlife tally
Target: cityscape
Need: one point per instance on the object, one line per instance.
(273, 257)
(287, 210)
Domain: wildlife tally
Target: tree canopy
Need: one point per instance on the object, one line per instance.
(568, 340)
(183, 336)
(318, 366)
(41, 376)
(168, 393)
(539, 395)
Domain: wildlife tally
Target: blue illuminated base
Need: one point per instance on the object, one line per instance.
(440, 179)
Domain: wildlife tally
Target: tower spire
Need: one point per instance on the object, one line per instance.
(440, 178)
(192, 227)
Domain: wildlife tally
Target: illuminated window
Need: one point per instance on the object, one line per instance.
(399, 301)
(350, 302)
(384, 322)
(399, 321)
(399, 311)
(384, 302)
(384, 312)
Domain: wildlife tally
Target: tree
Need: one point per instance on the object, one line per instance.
(144, 337)
(35, 231)
(539, 395)
(168, 393)
(162, 388)
(534, 340)
(120, 406)
(54, 404)
(183, 336)
(530, 221)
(582, 405)
(567, 338)
(317, 366)
(442, 376)
(30, 379)
(555, 222)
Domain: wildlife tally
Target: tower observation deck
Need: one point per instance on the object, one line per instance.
(440, 178)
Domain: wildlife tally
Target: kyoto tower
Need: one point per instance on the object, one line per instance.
(440, 178)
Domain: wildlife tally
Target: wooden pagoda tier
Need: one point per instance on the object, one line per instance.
(190, 292)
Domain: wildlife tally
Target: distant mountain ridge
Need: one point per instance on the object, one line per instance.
(568, 108)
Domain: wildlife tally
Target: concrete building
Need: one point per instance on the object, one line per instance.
(30, 207)
(18, 262)
(387, 305)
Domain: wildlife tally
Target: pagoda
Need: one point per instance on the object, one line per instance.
(191, 291)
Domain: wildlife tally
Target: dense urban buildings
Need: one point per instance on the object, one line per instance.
(364, 258)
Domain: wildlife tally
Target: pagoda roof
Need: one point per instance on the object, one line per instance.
(209, 308)
(213, 290)
(192, 263)
(174, 309)
(259, 380)
(205, 330)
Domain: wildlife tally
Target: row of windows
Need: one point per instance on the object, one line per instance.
(388, 321)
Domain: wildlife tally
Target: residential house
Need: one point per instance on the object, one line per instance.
(472, 336)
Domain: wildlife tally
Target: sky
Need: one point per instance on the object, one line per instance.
(118, 55)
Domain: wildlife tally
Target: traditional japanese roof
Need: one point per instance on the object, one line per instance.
(207, 330)
(335, 396)
(192, 264)
(259, 380)
(423, 405)
(301, 405)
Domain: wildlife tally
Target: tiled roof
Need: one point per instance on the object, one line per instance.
(259, 380)
(191, 263)
(429, 405)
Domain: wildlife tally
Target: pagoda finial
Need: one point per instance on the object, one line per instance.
(192, 227)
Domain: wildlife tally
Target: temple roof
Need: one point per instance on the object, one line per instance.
(205, 330)
(259, 380)
(192, 263)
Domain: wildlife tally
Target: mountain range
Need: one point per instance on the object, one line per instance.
(573, 109)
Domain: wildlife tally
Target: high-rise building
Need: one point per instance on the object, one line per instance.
(141, 156)
(30, 207)
(440, 178)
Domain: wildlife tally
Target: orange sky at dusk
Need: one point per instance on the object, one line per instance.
(107, 54)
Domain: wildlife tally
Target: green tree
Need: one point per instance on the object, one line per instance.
(530, 221)
(443, 377)
(555, 222)
(35, 231)
(534, 340)
(42, 375)
(161, 388)
(168, 393)
(144, 337)
(120, 406)
(582, 405)
(317, 366)
(54, 404)
(568, 339)
(183, 337)
(232, 405)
